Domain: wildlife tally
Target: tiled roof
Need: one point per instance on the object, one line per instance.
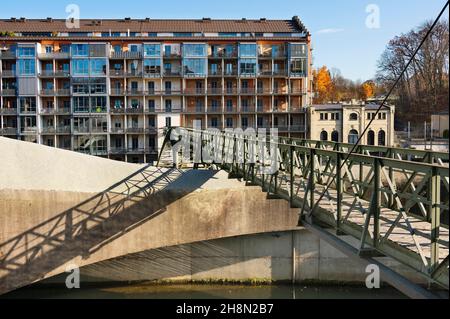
(154, 25)
(369, 106)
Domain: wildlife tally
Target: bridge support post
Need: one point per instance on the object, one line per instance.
(435, 218)
(339, 190)
(376, 202)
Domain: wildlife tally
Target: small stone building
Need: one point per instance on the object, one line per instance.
(345, 122)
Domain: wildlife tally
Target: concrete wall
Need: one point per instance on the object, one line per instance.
(30, 166)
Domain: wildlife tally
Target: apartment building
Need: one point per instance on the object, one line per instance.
(345, 122)
(109, 87)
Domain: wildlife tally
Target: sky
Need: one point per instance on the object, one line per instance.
(349, 35)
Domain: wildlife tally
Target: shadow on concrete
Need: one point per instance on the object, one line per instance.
(84, 229)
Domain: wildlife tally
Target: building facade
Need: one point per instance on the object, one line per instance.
(109, 87)
(345, 122)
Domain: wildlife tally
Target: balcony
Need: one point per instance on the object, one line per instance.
(117, 130)
(7, 55)
(151, 130)
(81, 109)
(53, 55)
(170, 73)
(151, 74)
(62, 73)
(8, 131)
(8, 73)
(194, 91)
(280, 91)
(230, 91)
(297, 128)
(116, 72)
(213, 73)
(99, 129)
(8, 111)
(214, 91)
(8, 92)
(28, 111)
(134, 92)
(46, 74)
(247, 109)
(263, 91)
(117, 150)
(134, 74)
(298, 74)
(48, 111)
(298, 91)
(247, 91)
(31, 130)
(280, 73)
(195, 110)
(136, 150)
(62, 111)
(126, 55)
(135, 130)
(117, 92)
(134, 110)
(81, 130)
(63, 92)
(117, 110)
(48, 130)
(63, 129)
(214, 109)
(48, 92)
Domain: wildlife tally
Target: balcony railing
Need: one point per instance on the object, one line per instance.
(8, 111)
(48, 130)
(134, 73)
(27, 111)
(136, 150)
(247, 109)
(280, 91)
(7, 55)
(8, 131)
(232, 91)
(135, 130)
(29, 130)
(99, 129)
(8, 73)
(63, 110)
(214, 91)
(117, 150)
(172, 73)
(297, 128)
(117, 110)
(151, 74)
(195, 91)
(298, 91)
(134, 92)
(54, 55)
(250, 91)
(115, 72)
(118, 130)
(48, 111)
(214, 109)
(126, 55)
(63, 92)
(195, 110)
(134, 110)
(81, 129)
(63, 129)
(8, 92)
(117, 91)
(48, 92)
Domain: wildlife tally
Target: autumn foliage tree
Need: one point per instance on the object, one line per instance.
(323, 85)
(367, 90)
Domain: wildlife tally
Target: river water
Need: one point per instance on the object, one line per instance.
(152, 291)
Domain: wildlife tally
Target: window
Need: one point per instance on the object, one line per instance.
(371, 138)
(168, 105)
(214, 122)
(191, 50)
(244, 122)
(80, 50)
(298, 66)
(229, 105)
(151, 105)
(26, 52)
(152, 66)
(27, 67)
(324, 136)
(353, 117)
(98, 104)
(335, 136)
(80, 67)
(153, 50)
(27, 104)
(323, 116)
(247, 66)
(98, 66)
(194, 66)
(168, 122)
(298, 50)
(382, 138)
(48, 49)
(247, 50)
(229, 122)
(353, 136)
(117, 48)
(81, 104)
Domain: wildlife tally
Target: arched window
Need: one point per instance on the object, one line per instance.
(382, 138)
(371, 138)
(335, 136)
(324, 136)
(353, 117)
(353, 136)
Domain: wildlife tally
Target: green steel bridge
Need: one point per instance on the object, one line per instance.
(393, 201)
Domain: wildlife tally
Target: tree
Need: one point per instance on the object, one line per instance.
(423, 88)
(323, 85)
(367, 90)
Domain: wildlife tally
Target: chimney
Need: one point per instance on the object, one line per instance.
(13, 19)
(49, 19)
(263, 19)
(22, 19)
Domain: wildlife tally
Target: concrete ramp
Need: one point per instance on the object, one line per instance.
(52, 222)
